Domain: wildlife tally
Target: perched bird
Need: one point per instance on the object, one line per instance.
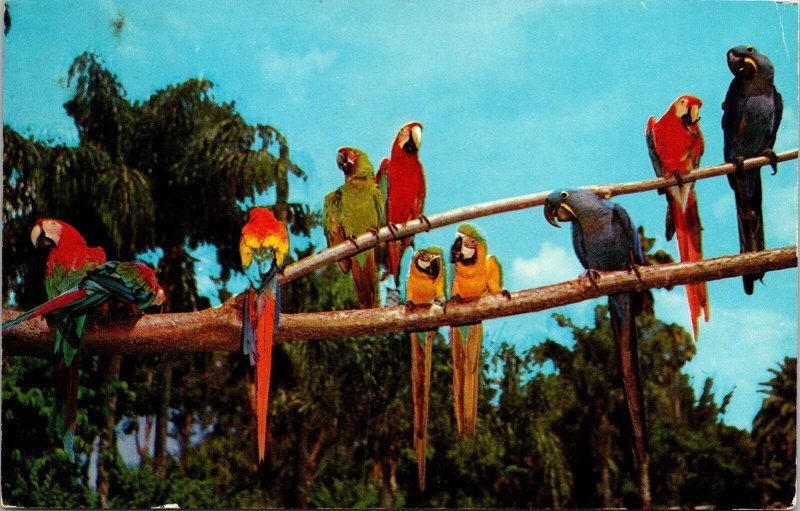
(476, 273)
(402, 181)
(425, 284)
(263, 246)
(675, 143)
(752, 113)
(605, 239)
(68, 260)
(132, 283)
(352, 209)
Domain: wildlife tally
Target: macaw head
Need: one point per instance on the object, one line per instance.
(568, 205)
(469, 242)
(149, 276)
(263, 246)
(687, 109)
(429, 261)
(354, 163)
(50, 233)
(409, 138)
(747, 63)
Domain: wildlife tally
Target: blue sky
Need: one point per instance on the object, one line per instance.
(515, 98)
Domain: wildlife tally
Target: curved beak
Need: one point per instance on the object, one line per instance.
(550, 212)
(455, 250)
(434, 268)
(160, 298)
(416, 136)
(40, 239)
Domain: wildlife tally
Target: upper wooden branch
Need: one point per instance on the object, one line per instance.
(369, 240)
(219, 329)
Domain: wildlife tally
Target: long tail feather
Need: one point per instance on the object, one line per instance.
(264, 334)
(690, 246)
(47, 307)
(65, 412)
(472, 374)
(624, 329)
(459, 358)
(747, 190)
(366, 281)
(420, 393)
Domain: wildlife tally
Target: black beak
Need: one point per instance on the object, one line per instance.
(410, 147)
(550, 210)
(44, 242)
(455, 250)
(434, 268)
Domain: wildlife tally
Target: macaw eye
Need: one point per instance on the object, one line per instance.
(470, 242)
(564, 195)
(750, 49)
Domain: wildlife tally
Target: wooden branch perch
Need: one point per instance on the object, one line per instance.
(368, 240)
(219, 329)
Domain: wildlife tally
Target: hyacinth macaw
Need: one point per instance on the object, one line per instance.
(675, 143)
(263, 247)
(425, 284)
(605, 239)
(476, 273)
(352, 209)
(132, 283)
(67, 263)
(752, 113)
(402, 181)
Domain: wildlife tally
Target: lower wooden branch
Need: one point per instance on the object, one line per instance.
(219, 329)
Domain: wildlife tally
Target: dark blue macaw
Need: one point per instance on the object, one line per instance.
(752, 114)
(605, 239)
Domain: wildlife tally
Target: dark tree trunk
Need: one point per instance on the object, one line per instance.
(107, 449)
(162, 416)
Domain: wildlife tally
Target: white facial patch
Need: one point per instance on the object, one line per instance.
(467, 252)
(423, 264)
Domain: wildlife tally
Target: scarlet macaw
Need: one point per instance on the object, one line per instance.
(675, 143)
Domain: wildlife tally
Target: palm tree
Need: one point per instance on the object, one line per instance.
(775, 432)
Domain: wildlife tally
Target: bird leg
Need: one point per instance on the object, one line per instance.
(352, 239)
(424, 219)
(635, 267)
(374, 231)
(393, 229)
(739, 162)
(678, 178)
(506, 294)
(455, 298)
(773, 160)
(409, 306)
(593, 276)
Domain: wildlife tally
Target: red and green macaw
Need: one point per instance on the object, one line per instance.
(675, 143)
(425, 284)
(402, 181)
(132, 283)
(476, 273)
(352, 209)
(263, 247)
(67, 263)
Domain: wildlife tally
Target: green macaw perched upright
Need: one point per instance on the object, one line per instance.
(352, 209)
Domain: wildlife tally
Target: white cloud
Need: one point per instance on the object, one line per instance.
(552, 264)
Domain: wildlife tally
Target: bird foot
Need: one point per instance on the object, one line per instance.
(635, 267)
(409, 306)
(739, 163)
(678, 178)
(393, 229)
(352, 239)
(455, 298)
(506, 294)
(424, 219)
(593, 276)
(374, 231)
(386, 274)
(773, 160)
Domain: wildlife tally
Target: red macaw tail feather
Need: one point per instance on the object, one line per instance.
(459, 358)
(65, 411)
(265, 330)
(472, 374)
(366, 281)
(47, 307)
(420, 393)
(688, 229)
